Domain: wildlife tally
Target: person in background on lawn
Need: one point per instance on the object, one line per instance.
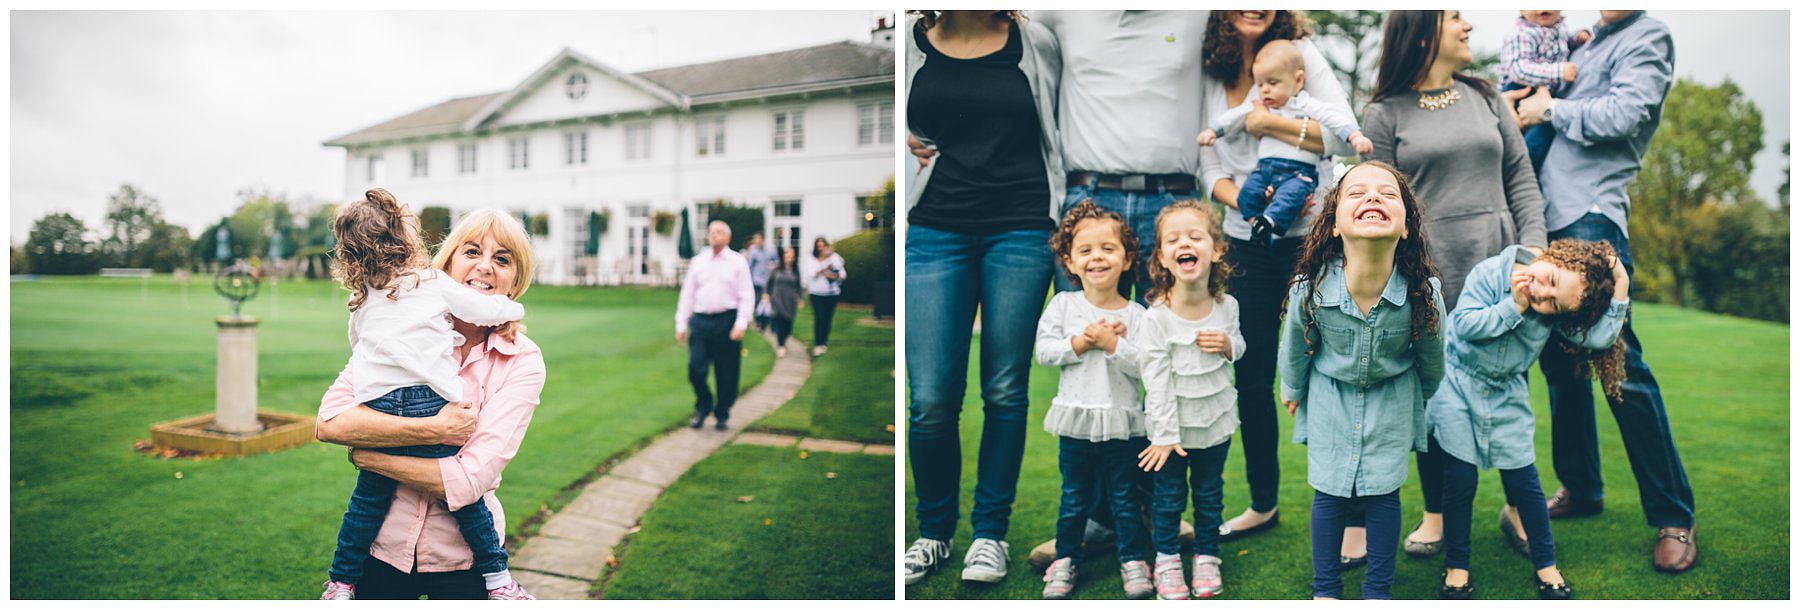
(1361, 350)
(1481, 415)
(981, 121)
(1189, 339)
(1603, 125)
(402, 357)
(824, 275)
(716, 302)
(1536, 54)
(784, 296)
(762, 258)
(418, 548)
(1096, 411)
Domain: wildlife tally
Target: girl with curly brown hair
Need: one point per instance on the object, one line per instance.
(1481, 416)
(1360, 352)
(402, 361)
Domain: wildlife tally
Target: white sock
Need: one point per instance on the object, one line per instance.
(498, 579)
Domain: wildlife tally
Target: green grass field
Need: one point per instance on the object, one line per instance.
(1725, 381)
(96, 361)
(824, 538)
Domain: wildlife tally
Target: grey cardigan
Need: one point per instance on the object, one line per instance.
(1042, 65)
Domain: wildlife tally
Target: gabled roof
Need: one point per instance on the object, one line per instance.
(839, 64)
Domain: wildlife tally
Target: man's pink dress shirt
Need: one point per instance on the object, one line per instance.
(717, 283)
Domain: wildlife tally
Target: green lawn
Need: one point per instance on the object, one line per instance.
(1725, 381)
(826, 538)
(96, 361)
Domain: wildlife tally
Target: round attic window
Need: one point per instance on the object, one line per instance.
(578, 86)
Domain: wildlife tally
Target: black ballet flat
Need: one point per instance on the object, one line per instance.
(1558, 591)
(1466, 591)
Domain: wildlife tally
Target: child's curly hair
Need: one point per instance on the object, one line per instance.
(1062, 241)
(1412, 257)
(377, 244)
(1162, 281)
(1592, 262)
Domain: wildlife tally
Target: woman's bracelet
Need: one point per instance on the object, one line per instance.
(1302, 141)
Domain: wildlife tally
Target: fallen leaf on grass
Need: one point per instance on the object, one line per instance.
(768, 521)
(634, 529)
(890, 428)
(1243, 552)
(746, 499)
(830, 475)
(177, 474)
(612, 561)
(21, 482)
(803, 455)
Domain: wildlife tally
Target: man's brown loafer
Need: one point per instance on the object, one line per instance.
(1562, 504)
(1675, 549)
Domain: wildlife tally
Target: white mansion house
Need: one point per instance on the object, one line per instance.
(806, 135)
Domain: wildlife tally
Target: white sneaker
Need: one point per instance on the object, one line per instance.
(818, 350)
(986, 561)
(924, 556)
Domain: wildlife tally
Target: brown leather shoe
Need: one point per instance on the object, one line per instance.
(1675, 549)
(1562, 504)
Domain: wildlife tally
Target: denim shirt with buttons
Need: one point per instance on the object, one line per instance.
(1483, 415)
(1360, 381)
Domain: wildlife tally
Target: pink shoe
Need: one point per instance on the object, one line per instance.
(1207, 581)
(338, 590)
(1169, 583)
(512, 590)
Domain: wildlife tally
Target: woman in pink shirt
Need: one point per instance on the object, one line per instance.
(419, 551)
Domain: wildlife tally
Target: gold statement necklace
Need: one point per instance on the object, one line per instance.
(1433, 102)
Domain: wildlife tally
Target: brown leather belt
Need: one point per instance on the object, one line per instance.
(1133, 182)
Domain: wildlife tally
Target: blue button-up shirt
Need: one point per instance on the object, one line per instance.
(1360, 380)
(1605, 120)
(1482, 414)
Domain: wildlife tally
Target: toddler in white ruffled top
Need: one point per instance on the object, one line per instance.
(1096, 414)
(1188, 338)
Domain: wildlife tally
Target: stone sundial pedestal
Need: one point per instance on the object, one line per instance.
(236, 426)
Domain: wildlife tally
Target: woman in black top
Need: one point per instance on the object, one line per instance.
(982, 85)
(783, 294)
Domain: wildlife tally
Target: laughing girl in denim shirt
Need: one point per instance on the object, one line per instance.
(1360, 352)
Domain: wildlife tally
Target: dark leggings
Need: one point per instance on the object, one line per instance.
(783, 327)
(1328, 515)
(1431, 486)
(823, 307)
(1522, 491)
(1259, 282)
(383, 581)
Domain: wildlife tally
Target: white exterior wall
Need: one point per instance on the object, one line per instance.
(828, 176)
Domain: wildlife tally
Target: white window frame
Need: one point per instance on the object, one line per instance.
(518, 152)
(709, 136)
(371, 167)
(875, 122)
(467, 154)
(575, 147)
(638, 138)
(421, 162)
(788, 129)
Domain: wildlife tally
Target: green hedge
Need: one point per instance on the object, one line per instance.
(868, 260)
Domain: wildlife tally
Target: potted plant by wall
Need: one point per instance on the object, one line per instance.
(663, 222)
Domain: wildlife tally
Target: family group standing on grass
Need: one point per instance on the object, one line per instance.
(1387, 342)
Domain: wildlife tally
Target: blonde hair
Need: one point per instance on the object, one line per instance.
(377, 244)
(511, 235)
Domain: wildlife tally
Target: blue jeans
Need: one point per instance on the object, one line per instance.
(1663, 488)
(1383, 517)
(947, 276)
(1139, 211)
(1095, 473)
(710, 345)
(1204, 470)
(1522, 491)
(1537, 137)
(374, 493)
(1293, 182)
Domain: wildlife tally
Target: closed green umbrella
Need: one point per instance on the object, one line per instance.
(593, 243)
(684, 244)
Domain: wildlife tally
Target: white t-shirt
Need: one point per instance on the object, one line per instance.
(408, 341)
(1097, 393)
(817, 283)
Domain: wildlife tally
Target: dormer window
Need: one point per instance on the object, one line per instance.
(578, 86)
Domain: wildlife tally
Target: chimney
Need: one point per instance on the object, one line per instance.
(883, 34)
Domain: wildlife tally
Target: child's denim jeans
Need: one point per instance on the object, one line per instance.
(1202, 472)
(1293, 182)
(374, 493)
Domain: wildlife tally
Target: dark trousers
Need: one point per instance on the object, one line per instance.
(762, 321)
(374, 494)
(783, 327)
(823, 308)
(1095, 473)
(383, 581)
(710, 344)
(1258, 281)
(1522, 491)
(1383, 518)
(1293, 182)
(1663, 488)
(1537, 137)
(1202, 472)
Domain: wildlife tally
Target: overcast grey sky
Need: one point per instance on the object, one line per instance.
(194, 106)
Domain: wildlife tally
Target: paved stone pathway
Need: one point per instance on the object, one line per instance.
(811, 444)
(570, 551)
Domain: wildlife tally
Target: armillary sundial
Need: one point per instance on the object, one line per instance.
(237, 284)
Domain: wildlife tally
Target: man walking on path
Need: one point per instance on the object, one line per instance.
(716, 302)
(1603, 125)
(762, 259)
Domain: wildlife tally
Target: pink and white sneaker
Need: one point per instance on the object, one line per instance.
(1207, 581)
(338, 590)
(1169, 583)
(512, 590)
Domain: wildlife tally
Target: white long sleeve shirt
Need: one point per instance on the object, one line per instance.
(408, 341)
(1097, 392)
(1329, 116)
(1188, 393)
